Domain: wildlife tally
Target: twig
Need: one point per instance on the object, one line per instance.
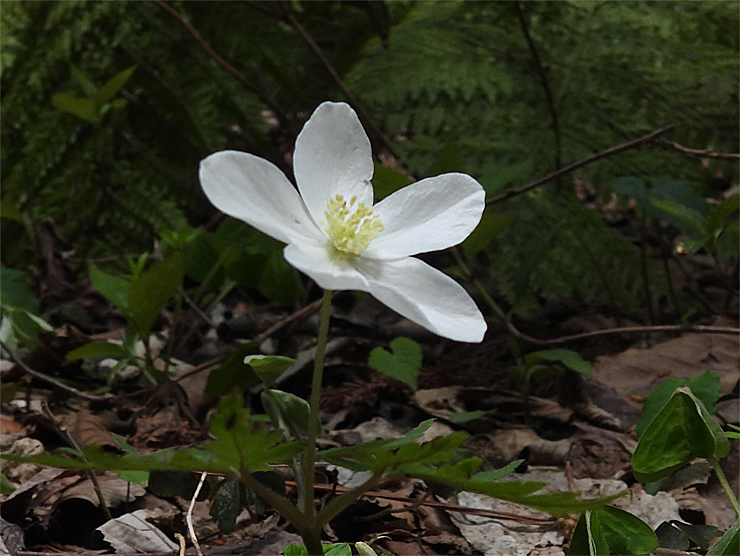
(189, 514)
(433, 504)
(542, 75)
(700, 153)
(583, 162)
(349, 95)
(261, 337)
(51, 380)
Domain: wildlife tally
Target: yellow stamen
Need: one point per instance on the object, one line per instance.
(350, 226)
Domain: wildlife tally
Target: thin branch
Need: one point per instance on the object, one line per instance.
(51, 380)
(583, 162)
(349, 95)
(699, 153)
(544, 81)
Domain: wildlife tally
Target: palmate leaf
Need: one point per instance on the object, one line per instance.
(398, 456)
(237, 449)
(459, 477)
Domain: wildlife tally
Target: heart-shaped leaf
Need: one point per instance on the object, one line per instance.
(401, 363)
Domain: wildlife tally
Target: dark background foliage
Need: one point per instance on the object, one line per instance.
(504, 91)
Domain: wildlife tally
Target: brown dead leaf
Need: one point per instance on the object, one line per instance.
(638, 372)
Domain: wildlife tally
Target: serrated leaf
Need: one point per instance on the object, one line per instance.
(402, 363)
(682, 430)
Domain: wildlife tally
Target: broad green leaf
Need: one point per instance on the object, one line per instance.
(225, 506)
(588, 538)
(84, 108)
(233, 372)
(402, 363)
(387, 180)
(268, 367)
(97, 349)
(682, 430)
(337, 549)
(295, 550)
(106, 93)
(114, 288)
(693, 221)
(151, 290)
(569, 359)
(625, 533)
(287, 412)
(717, 218)
(490, 226)
(729, 543)
(448, 159)
(707, 388)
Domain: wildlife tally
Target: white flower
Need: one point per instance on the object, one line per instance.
(337, 236)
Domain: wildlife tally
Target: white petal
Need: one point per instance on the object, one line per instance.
(333, 156)
(254, 190)
(429, 215)
(327, 273)
(426, 296)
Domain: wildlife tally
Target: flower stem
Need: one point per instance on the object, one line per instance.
(725, 485)
(309, 459)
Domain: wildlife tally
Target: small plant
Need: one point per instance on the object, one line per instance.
(339, 238)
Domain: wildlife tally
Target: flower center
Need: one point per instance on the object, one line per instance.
(351, 227)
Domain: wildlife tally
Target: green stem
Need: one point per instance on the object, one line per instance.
(309, 459)
(725, 485)
(343, 501)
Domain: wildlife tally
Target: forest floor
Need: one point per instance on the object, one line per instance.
(573, 431)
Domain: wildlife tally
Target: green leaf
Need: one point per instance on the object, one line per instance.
(387, 180)
(106, 93)
(97, 349)
(268, 367)
(625, 533)
(692, 221)
(151, 290)
(114, 288)
(84, 108)
(337, 549)
(226, 506)
(729, 543)
(682, 430)
(707, 388)
(588, 538)
(233, 372)
(402, 363)
(295, 550)
(569, 359)
(488, 229)
(556, 503)
(287, 412)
